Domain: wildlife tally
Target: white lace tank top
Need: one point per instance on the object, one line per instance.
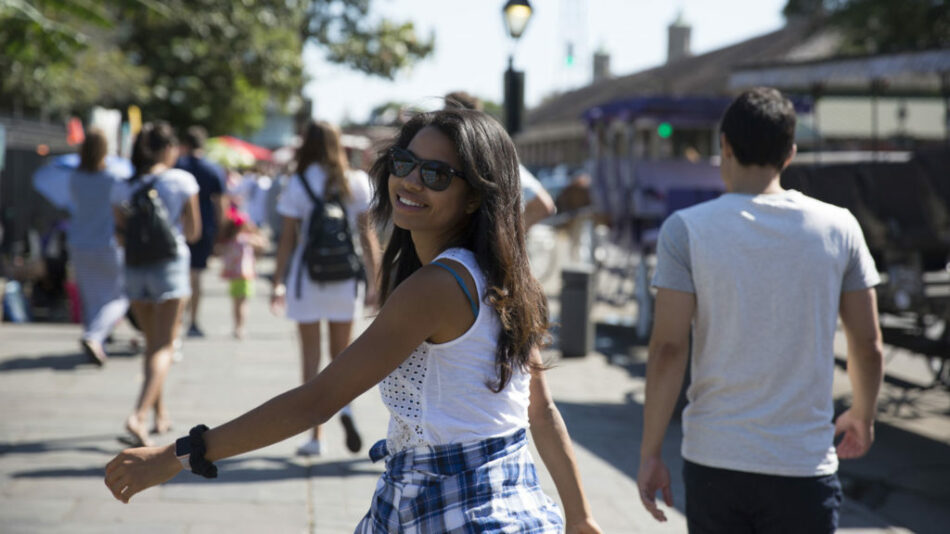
(440, 394)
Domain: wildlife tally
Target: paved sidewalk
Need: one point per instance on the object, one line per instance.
(61, 418)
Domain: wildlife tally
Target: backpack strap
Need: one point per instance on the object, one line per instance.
(316, 202)
(461, 283)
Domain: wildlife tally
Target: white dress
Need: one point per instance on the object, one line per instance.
(332, 301)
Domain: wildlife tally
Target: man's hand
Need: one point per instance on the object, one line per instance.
(134, 470)
(652, 476)
(858, 435)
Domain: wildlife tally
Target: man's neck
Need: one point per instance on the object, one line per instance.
(755, 181)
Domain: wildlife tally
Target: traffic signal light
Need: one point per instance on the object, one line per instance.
(664, 130)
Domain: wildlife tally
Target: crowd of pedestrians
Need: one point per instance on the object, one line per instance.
(459, 321)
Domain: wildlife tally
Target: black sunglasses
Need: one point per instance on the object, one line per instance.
(436, 175)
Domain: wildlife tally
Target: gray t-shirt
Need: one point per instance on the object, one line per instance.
(768, 272)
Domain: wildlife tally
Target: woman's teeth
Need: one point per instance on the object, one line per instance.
(408, 202)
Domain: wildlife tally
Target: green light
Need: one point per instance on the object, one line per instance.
(570, 61)
(664, 130)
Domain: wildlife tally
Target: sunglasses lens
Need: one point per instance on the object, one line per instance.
(434, 177)
(401, 163)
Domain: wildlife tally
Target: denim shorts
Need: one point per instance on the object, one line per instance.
(162, 281)
(736, 502)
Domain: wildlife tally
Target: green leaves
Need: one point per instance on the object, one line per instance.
(217, 63)
(881, 26)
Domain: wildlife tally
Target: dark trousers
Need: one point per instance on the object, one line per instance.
(734, 502)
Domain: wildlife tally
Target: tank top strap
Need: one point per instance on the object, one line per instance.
(467, 259)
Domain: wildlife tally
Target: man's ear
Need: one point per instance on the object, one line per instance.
(791, 156)
(725, 149)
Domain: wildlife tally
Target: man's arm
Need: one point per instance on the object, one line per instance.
(540, 207)
(666, 366)
(858, 310)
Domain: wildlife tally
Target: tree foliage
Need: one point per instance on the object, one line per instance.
(211, 62)
(881, 26)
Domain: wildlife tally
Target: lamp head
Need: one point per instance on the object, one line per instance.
(516, 13)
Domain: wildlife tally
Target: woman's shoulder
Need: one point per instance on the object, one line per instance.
(182, 180)
(463, 256)
(177, 174)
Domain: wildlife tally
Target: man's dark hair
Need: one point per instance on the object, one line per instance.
(461, 99)
(760, 127)
(195, 137)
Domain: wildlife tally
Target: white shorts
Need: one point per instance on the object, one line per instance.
(336, 302)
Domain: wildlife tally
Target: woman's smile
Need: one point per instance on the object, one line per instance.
(406, 202)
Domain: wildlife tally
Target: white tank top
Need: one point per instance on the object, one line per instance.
(441, 393)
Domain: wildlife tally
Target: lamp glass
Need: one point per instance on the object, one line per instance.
(516, 17)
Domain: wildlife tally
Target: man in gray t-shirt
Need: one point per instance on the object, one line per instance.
(760, 275)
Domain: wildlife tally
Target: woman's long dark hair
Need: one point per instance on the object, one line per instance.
(149, 144)
(322, 145)
(92, 153)
(495, 232)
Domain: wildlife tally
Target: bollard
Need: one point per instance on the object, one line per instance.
(577, 299)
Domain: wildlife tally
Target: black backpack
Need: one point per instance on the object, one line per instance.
(329, 254)
(149, 237)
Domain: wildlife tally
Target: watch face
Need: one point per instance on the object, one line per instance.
(182, 447)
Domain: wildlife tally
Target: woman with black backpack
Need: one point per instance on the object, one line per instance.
(324, 205)
(156, 211)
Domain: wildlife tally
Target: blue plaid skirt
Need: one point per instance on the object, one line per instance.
(474, 487)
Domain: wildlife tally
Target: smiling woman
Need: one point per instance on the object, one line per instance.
(456, 265)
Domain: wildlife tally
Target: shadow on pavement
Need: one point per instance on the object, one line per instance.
(72, 444)
(255, 469)
(613, 433)
(905, 477)
(67, 361)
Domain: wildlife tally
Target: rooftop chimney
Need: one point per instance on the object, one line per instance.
(601, 65)
(678, 44)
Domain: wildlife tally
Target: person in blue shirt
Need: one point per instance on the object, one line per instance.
(96, 256)
(212, 204)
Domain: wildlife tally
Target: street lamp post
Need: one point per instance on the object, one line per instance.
(516, 13)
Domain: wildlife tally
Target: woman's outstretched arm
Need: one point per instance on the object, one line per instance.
(554, 445)
(415, 311)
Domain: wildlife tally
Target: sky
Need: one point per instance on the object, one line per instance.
(472, 47)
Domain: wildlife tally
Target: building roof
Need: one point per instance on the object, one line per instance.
(702, 75)
(908, 73)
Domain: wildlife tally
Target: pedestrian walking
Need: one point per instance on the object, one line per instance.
(95, 254)
(155, 212)
(241, 240)
(454, 349)
(212, 204)
(323, 178)
(762, 275)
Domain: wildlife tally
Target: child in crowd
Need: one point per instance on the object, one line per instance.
(240, 240)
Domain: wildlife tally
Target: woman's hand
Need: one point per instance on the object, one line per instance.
(134, 470)
(278, 299)
(586, 526)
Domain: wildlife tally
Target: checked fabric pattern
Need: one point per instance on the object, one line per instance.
(487, 486)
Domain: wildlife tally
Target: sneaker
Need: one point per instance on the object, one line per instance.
(310, 448)
(353, 441)
(194, 331)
